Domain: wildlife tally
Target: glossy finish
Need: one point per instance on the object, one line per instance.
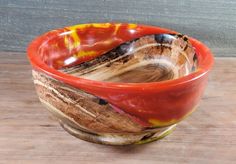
(90, 118)
(149, 104)
(146, 59)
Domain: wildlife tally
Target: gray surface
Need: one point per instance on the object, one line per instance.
(211, 21)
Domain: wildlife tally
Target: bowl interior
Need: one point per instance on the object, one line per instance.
(119, 53)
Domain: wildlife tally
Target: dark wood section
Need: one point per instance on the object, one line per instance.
(211, 21)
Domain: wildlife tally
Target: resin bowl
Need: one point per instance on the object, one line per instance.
(119, 83)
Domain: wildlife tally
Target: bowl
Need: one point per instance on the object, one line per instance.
(119, 83)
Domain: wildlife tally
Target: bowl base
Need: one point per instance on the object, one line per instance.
(119, 139)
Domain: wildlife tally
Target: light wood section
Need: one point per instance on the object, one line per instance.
(28, 133)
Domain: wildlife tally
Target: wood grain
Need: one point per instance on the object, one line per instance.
(211, 21)
(28, 134)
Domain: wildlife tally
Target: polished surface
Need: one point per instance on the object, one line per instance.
(99, 99)
(146, 59)
(154, 104)
(91, 118)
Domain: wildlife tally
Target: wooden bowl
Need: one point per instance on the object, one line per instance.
(119, 83)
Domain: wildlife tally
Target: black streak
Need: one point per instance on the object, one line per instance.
(102, 102)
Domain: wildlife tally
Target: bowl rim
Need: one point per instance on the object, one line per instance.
(205, 63)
